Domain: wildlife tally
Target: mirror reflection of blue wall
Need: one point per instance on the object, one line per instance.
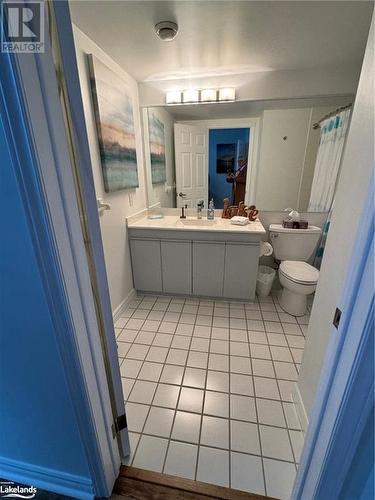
(228, 150)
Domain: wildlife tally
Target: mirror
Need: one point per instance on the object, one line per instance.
(260, 152)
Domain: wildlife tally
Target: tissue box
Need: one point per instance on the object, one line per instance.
(295, 224)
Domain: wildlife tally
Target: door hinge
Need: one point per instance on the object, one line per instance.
(119, 424)
(336, 318)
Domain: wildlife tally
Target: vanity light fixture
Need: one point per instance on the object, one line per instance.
(190, 96)
(174, 97)
(227, 94)
(208, 95)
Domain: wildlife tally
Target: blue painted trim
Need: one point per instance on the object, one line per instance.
(25, 161)
(357, 304)
(47, 479)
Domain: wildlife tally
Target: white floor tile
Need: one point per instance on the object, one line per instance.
(136, 415)
(186, 427)
(241, 365)
(142, 392)
(197, 359)
(187, 318)
(273, 327)
(287, 318)
(127, 335)
(162, 340)
(172, 374)
(291, 416)
(150, 371)
(157, 354)
(134, 324)
(215, 432)
(216, 404)
(296, 341)
(217, 381)
(236, 335)
(123, 349)
(166, 395)
(263, 368)
(167, 327)
(238, 323)
(221, 322)
(277, 339)
(244, 437)
(133, 442)
(281, 354)
(181, 460)
(159, 422)
(127, 386)
(242, 408)
(191, 400)
(145, 337)
(241, 384)
(257, 337)
(270, 412)
(184, 329)
(275, 443)
(279, 478)
(195, 377)
(199, 344)
(202, 331)
(220, 333)
(137, 351)
(219, 474)
(130, 368)
(202, 320)
(292, 329)
(270, 316)
(180, 342)
(247, 473)
(297, 354)
(256, 325)
(260, 351)
(177, 357)
(150, 453)
(219, 362)
(239, 349)
(219, 346)
(266, 388)
(171, 316)
(286, 389)
(155, 316)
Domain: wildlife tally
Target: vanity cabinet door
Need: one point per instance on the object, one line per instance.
(208, 268)
(146, 264)
(241, 268)
(176, 266)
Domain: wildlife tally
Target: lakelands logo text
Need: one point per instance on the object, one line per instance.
(8, 489)
(22, 26)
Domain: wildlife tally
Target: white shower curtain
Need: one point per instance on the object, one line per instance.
(332, 138)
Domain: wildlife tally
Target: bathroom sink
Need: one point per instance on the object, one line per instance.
(197, 222)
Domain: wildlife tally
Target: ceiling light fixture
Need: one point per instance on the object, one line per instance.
(166, 30)
(208, 95)
(227, 94)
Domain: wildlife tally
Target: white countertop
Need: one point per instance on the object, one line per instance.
(174, 223)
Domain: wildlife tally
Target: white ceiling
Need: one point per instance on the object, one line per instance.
(222, 37)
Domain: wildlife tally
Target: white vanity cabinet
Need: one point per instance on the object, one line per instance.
(218, 261)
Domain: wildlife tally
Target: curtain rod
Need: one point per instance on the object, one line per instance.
(332, 113)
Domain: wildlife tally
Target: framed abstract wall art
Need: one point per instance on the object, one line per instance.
(113, 110)
(157, 149)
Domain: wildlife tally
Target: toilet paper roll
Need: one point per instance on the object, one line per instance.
(265, 249)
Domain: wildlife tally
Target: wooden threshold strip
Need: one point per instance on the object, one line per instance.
(140, 484)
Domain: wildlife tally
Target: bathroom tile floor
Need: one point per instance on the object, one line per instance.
(208, 390)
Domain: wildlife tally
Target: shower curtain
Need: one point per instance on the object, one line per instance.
(332, 138)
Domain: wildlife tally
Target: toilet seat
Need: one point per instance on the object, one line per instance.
(299, 272)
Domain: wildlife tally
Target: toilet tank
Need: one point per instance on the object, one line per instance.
(293, 244)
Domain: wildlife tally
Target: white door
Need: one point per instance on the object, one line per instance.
(191, 159)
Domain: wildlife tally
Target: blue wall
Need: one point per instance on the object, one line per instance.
(37, 418)
(219, 188)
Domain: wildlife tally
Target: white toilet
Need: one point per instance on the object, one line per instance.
(293, 247)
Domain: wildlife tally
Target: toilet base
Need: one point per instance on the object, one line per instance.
(293, 303)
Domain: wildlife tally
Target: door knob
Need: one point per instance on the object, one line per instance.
(181, 195)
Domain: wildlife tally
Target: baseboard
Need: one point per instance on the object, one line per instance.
(300, 408)
(52, 480)
(124, 304)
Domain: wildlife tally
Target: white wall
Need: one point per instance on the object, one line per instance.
(125, 202)
(157, 193)
(356, 171)
(286, 167)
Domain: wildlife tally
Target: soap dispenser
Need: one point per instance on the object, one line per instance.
(211, 210)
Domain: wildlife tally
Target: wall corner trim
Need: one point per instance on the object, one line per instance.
(47, 479)
(124, 304)
(300, 408)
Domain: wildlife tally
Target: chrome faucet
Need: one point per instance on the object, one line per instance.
(200, 206)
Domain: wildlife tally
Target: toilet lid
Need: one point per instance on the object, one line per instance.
(300, 272)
